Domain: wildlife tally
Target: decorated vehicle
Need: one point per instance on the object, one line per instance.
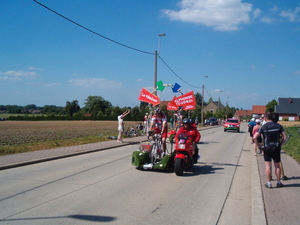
(232, 124)
(150, 156)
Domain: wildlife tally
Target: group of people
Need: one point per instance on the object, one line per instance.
(158, 123)
(268, 136)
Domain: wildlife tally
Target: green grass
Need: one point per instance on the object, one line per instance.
(7, 115)
(292, 147)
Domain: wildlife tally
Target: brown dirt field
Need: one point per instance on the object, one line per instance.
(289, 123)
(21, 132)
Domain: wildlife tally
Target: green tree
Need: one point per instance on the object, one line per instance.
(96, 104)
(198, 98)
(270, 107)
(72, 107)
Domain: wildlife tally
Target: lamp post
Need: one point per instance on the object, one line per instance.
(202, 110)
(227, 107)
(156, 54)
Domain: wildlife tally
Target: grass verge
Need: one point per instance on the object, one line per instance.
(292, 147)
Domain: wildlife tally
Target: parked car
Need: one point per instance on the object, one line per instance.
(232, 124)
(211, 121)
(2, 119)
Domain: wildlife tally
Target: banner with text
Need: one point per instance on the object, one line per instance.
(147, 96)
(187, 99)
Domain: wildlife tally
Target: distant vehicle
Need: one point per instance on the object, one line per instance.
(211, 121)
(232, 124)
(2, 119)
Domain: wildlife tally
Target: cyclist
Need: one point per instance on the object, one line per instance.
(192, 132)
(159, 125)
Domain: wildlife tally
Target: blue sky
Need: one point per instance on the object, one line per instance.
(250, 50)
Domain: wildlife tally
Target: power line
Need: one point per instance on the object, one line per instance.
(177, 74)
(102, 36)
(72, 21)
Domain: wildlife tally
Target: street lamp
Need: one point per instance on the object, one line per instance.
(202, 111)
(158, 45)
(156, 53)
(227, 107)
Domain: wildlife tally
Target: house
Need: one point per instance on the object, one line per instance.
(257, 111)
(288, 109)
(243, 114)
(213, 107)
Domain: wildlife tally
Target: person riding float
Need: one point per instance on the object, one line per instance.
(159, 125)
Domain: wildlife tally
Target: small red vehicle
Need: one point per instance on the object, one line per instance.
(232, 124)
(183, 154)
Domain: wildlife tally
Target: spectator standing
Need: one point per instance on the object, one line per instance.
(273, 137)
(258, 140)
(146, 119)
(121, 125)
(275, 119)
(251, 124)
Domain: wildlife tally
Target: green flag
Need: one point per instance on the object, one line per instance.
(160, 86)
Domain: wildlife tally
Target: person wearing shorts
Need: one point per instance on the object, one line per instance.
(273, 137)
(121, 125)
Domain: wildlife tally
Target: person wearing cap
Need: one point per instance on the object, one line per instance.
(191, 131)
(159, 124)
(258, 140)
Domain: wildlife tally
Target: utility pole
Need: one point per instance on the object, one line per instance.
(155, 72)
(202, 110)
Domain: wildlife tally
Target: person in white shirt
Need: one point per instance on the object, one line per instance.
(121, 125)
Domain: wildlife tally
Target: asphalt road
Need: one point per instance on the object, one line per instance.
(104, 187)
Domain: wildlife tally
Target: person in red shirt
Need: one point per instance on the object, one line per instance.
(159, 125)
(192, 132)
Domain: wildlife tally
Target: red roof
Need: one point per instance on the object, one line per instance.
(259, 109)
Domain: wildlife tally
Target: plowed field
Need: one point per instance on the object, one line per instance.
(21, 132)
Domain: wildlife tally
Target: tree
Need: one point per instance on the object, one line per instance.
(270, 107)
(94, 104)
(72, 107)
(198, 98)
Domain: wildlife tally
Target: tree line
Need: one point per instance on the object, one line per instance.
(97, 108)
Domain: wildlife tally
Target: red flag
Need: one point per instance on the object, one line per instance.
(147, 96)
(186, 99)
(171, 106)
(189, 107)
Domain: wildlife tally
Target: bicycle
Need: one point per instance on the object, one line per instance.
(156, 152)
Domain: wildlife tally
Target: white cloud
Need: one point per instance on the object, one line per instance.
(138, 80)
(34, 68)
(267, 19)
(291, 15)
(17, 75)
(256, 13)
(274, 9)
(51, 84)
(297, 73)
(95, 83)
(9, 78)
(223, 15)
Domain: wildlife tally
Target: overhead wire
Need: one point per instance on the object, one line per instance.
(116, 42)
(72, 21)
